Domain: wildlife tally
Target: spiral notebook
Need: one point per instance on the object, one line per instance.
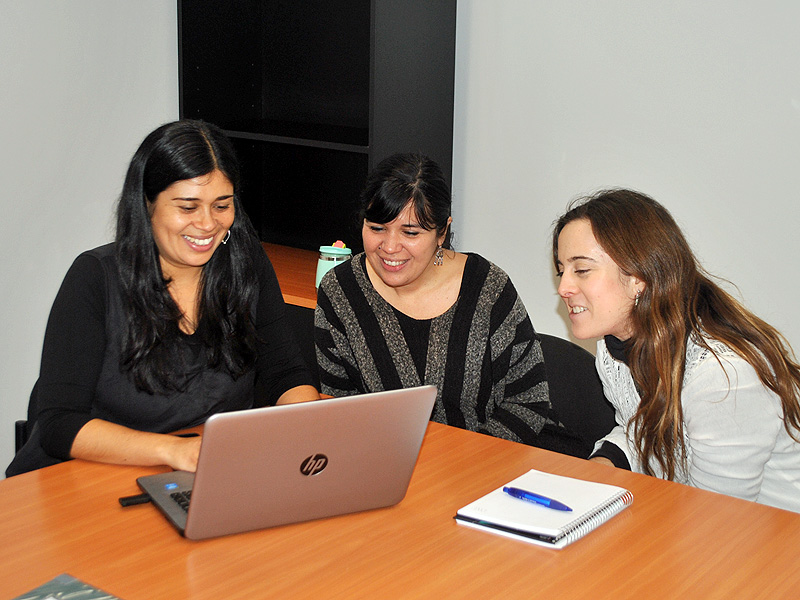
(592, 505)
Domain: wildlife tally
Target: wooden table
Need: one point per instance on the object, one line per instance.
(297, 273)
(673, 542)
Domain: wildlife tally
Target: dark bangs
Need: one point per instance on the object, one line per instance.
(392, 199)
(403, 178)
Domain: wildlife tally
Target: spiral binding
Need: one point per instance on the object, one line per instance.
(596, 517)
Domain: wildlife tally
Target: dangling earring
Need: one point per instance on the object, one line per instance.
(227, 237)
(638, 295)
(438, 259)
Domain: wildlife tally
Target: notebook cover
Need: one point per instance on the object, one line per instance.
(592, 504)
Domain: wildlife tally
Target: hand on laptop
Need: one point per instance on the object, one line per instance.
(185, 453)
(106, 442)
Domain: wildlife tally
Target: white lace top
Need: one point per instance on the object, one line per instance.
(735, 440)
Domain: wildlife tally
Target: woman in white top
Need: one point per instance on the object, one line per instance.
(705, 392)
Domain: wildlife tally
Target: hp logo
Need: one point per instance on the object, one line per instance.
(314, 464)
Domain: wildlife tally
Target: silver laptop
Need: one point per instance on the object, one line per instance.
(284, 464)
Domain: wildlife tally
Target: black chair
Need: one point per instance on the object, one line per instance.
(301, 322)
(575, 389)
(23, 427)
(20, 434)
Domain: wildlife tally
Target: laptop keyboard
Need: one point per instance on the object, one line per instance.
(182, 498)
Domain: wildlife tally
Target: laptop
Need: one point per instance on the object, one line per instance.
(284, 464)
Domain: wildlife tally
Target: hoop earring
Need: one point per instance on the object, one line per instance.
(227, 237)
(638, 295)
(438, 259)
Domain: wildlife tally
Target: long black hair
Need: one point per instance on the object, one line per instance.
(228, 286)
(403, 178)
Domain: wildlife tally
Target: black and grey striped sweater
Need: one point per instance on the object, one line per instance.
(482, 354)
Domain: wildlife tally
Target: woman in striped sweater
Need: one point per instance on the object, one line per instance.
(409, 311)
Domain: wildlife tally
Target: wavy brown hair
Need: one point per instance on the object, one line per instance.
(680, 299)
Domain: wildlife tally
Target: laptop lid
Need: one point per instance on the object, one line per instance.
(284, 464)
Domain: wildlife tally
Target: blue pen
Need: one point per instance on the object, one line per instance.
(536, 498)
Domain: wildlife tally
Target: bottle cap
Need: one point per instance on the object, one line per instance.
(336, 250)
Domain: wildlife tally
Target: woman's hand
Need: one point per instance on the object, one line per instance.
(602, 460)
(182, 453)
(106, 442)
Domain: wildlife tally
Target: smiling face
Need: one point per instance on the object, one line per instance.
(598, 295)
(400, 252)
(190, 219)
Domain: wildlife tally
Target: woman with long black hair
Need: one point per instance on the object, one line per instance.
(180, 318)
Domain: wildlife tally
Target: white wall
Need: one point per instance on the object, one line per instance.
(83, 81)
(694, 103)
(697, 104)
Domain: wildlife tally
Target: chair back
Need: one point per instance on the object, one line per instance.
(20, 434)
(576, 392)
(23, 427)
